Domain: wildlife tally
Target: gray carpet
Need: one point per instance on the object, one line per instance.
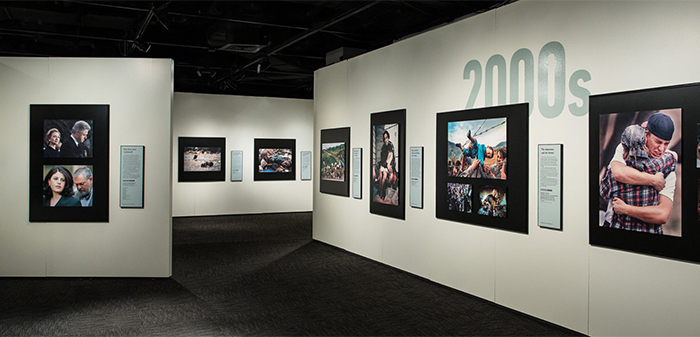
(258, 275)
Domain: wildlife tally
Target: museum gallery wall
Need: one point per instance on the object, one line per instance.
(553, 56)
(251, 181)
(45, 101)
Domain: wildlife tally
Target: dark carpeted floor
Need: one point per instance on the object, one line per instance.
(256, 275)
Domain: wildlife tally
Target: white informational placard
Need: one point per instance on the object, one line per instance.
(357, 173)
(131, 176)
(549, 185)
(305, 165)
(237, 165)
(416, 191)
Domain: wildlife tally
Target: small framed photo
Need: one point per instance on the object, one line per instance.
(275, 159)
(335, 144)
(201, 159)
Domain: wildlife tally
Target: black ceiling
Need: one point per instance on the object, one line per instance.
(251, 48)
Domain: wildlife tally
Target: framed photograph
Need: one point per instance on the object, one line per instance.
(482, 167)
(388, 163)
(643, 184)
(335, 144)
(275, 159)
(69, 163)
(201, 159)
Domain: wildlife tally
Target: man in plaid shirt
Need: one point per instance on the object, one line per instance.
(640, 182)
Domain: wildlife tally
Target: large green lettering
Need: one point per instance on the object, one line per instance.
(525, 57)
(496, 61)
(579, 92)
(474, 66)
(557, 50)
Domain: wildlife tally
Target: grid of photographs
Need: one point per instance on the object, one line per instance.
(69, 163)
(474, 150)
(643, 184)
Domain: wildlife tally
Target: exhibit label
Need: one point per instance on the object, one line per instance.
(549, 188)
(305, 165)
(131, 177)
(236, 165)
(357, 173)
(416, 193)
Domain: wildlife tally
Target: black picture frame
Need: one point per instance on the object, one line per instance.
(201, 159)
(391, 202)
(335, 180)
(91, 153)
(681, 234)
(509, 198)
(289, 147)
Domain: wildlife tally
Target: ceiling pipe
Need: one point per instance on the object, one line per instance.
(142, 30)
(304, 35)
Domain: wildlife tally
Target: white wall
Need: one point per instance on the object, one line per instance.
(553, 275)
(241, 119)
(135, 242)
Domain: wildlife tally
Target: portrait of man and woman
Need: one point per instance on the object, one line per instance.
(68, 186)
(67, 138)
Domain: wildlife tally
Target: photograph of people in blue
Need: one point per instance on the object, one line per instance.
(493, 202)
(477, 148)
(274, 160)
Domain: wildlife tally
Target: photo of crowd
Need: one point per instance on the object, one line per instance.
(477, 149)
(333, 161)
(459, 197)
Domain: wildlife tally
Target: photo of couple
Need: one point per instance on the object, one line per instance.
(640, 171)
